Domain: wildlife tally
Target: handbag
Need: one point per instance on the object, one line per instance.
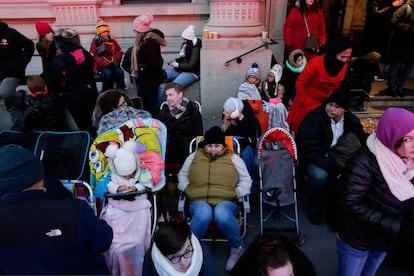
(311, 43)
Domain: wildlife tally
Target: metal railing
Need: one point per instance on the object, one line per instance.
(238, 59)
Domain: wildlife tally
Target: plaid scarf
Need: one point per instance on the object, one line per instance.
(178, 111)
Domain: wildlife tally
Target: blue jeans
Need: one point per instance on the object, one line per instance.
(161, 94)
(318, 179)
(223, 214)
(182, 78)
(353, 262)
(398, 74)
(110, 77)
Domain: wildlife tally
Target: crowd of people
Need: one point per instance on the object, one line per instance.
(360, 184)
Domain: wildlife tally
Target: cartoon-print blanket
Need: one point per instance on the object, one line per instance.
(150, 135)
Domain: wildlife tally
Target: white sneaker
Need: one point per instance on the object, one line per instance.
(235, 254)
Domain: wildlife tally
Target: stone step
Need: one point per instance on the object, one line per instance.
(379, 100)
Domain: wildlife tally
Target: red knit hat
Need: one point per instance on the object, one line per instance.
(43, 28)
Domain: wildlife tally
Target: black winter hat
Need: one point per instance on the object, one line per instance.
(213, 135)
(341, 96)
(19, 169)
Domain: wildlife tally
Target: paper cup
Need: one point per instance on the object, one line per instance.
(265, 34)
(205, 34)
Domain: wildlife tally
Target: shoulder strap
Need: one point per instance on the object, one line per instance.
(306, 24)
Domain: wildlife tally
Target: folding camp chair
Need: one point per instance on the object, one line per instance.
(213, 233)
(277, 158)
(63, 155)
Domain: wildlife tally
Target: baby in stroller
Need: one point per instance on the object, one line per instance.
(125, 166)
(128, 162)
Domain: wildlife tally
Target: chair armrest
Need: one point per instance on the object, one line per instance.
(246, 203)
(181, 202)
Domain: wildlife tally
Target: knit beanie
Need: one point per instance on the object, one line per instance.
(253, 70)
(234, 106)
(393, 125)
(277, 71)
(341, 96)
(189, 34)
(19, 169)
(142, 23)
(125, 159)
(101, 27)
(125, 162)
(214, 135)
(43, 28)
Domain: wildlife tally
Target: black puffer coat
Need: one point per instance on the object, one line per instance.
(45, 112)
(371, 215)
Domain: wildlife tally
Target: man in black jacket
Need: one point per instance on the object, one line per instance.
(16, 51)
(43, 235)
(322, 131)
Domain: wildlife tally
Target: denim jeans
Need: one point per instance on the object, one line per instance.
(223, 214)
(182, 78)
(398, 74)
(352, 262)
(318, 179)
(161, 94)
(112, 76)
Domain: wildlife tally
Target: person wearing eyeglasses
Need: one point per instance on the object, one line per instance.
(112, 109)
(377, 198)
(176, 251)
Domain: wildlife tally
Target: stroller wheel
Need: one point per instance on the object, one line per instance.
(301, 239)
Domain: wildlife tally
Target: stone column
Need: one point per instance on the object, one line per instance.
(78, 14)
(235, 18)
(239, 26)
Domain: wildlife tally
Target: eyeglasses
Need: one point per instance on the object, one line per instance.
(177, 258)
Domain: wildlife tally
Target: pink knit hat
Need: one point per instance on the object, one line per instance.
(143, 23)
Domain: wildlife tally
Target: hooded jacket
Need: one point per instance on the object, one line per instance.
(51, 236)
(16, 51)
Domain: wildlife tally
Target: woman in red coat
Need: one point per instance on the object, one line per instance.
(321, 76)
(294, 30)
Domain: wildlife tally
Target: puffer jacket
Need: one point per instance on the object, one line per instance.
(371, 215)
(45, 112)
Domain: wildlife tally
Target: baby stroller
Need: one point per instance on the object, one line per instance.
(277, 159)
(129, 214)
(63, 155)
